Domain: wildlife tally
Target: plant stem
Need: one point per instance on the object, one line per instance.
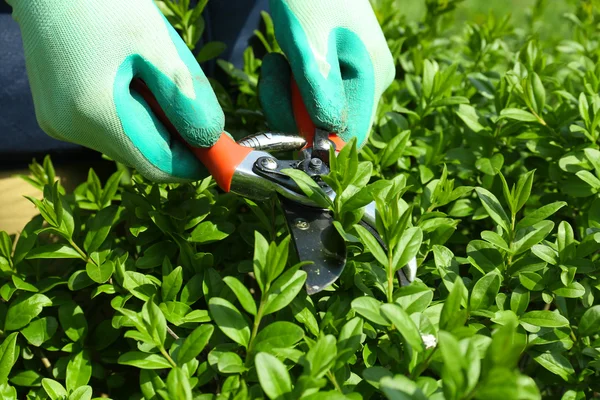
(82, 253)
(390, 279)
(257, 319)
(173, 334)
(167, 356)
(77, 249)
(334, 381)
(424, 365)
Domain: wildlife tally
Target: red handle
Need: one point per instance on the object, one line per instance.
(221, 159)
(306, 127)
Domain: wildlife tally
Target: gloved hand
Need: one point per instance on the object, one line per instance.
(81, 58)
(339, 59)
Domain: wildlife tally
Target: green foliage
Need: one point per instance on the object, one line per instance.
(483, 164)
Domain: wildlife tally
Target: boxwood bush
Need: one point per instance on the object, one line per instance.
(484, 163)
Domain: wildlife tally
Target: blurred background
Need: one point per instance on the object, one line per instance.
(549, 12)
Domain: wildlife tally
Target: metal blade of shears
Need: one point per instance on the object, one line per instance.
(316, 240)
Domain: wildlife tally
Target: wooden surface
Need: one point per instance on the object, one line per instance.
(15, 209)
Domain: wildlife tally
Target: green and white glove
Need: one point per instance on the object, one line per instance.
(339, 58)
(81, 58)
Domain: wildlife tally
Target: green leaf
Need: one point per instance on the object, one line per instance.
(28, 378)
(518, 115)
(539, 92)
(485, 290)
(208, 232)
(374, 375)
(156, 324)
(155, 255)
(8, 356)
(230, 363)
(81, 393)
(172, 284)
(405, 325)
(523, 190)
(27, 239)
(150, 383)
(54, 389)
(408, 247)
(40, 330)
(79, 370)
(273, 376)
(321, 356)
(469, 116)
(494, 209)
(372, 244)
(452, 315)
(22, 285)
(584, 108)
(210, 50)
(73, 321)
(394, 149)
(540, 214)
(100, 273)
(309, 187)
(519, 300)
(194, 344)
(490, 166)
(284, 290)
(140, 285)
(6, 245)
(261, 248)
(453, 378)
(589, 178)
(546, 319)
(229, 320)
(527, 237)
(53, 251)
(144, 360)
(414, 298)
(192, 291)
(178, 384)
(573, 290)
(349, 341)
(401, 388)
(25, 308)
(593, 156)
(277, 335)
(99, 227)
(565, 242)
(368, 307)
(495, 239)
(590, 321)
(531, 281)
(545, 253)
(242, 293)
(557, 364)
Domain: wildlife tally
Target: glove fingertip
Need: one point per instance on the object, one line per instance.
(274, 93)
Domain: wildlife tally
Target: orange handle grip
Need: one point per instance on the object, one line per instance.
(306, 127)
(221, 159)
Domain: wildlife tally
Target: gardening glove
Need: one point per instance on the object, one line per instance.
(81, 58)
(339, 59)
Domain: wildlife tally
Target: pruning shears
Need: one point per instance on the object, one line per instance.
(248, 169)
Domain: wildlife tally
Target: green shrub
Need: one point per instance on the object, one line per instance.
(484, 163)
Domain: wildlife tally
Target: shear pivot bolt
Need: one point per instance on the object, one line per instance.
(315, 164)
(268, 163)
(302, 224)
